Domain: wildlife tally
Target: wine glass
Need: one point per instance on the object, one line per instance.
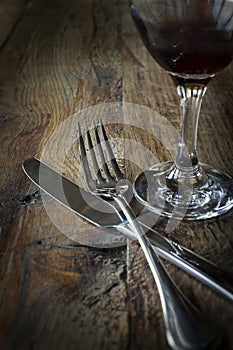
(192, 40)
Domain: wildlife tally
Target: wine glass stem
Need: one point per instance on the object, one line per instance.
(186, 164)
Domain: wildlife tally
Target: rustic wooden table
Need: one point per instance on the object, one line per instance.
(57, 58)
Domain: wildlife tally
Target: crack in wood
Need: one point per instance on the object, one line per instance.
(29, 200)
(99, 297)
(14, 26)
(7, 118)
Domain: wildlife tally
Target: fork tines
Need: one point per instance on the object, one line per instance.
(104, 163)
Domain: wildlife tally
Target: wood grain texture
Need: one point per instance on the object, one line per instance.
(56, 58)
(154, 89)
(55, 294)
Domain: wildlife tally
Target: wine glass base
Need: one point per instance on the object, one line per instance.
(209, 199)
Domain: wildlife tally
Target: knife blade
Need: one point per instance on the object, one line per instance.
(71, 196)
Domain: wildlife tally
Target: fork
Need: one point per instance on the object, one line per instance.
(186, 327)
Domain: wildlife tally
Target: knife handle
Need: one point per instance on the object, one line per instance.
(200, 268)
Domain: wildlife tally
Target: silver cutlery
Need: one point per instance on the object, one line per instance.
(72, 196)
(186, 327)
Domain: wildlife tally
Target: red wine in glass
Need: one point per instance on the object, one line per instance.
(188, 46)
(193, 41)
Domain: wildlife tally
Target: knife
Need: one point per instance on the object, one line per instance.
(71, 196)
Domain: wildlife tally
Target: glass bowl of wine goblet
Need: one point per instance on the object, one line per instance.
(193, 41)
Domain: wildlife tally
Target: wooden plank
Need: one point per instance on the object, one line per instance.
(55, 293)
(147, 85)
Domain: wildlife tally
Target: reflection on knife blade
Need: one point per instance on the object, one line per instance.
(72, 197)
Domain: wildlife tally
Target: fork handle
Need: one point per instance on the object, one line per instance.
(186, 328)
